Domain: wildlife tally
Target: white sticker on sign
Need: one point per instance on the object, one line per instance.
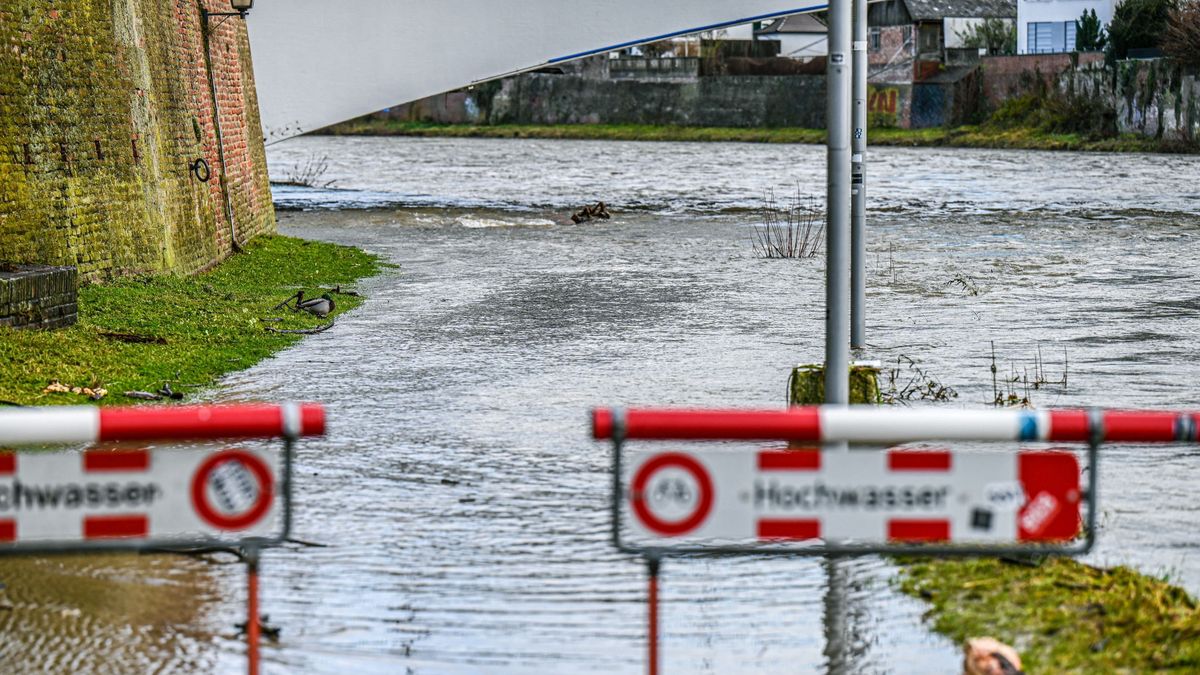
(1005, 496)
(232, 488)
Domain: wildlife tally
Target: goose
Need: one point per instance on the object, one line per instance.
(321, 306)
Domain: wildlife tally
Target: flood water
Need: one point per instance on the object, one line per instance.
(462, 507)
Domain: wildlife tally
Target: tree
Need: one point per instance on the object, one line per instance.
(1137, 24)
(998, 36)
(1089, 34)
(1182, 39)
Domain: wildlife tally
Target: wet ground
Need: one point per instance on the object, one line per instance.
(463, 507)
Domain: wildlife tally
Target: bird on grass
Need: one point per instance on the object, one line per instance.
(321, 306)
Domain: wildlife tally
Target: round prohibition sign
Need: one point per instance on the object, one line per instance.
(702, 504)
(232, 489)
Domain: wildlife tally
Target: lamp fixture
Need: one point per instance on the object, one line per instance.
(240, 8)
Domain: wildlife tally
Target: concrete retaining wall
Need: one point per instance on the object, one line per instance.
(732, 101)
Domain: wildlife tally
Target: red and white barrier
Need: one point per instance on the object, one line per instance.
(89, 424)
(872, 425)
(161, 497)
(681, 497)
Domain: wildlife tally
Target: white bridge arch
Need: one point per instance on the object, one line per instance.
(318, 62)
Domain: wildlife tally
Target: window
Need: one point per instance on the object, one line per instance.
(876, 41)
(1050, 36)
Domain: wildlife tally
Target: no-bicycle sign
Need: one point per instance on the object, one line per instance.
(138, 498)
(681, 498)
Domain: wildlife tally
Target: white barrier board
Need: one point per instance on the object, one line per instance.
(707, 497)
(144, 497)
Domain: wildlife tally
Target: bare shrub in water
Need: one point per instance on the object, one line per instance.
(310, 174)
(1015, 389)
(795, 230)
(907, 381)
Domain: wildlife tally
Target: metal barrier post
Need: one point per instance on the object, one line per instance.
(653, 562)
(252, 627)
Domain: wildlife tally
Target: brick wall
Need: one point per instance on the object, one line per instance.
(104, 104)
(892, 63)
(1008, 76)
(37, 296)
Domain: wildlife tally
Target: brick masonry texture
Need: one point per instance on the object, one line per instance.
(104, 105)
(37, 296)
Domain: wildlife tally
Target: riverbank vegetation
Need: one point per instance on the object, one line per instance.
(1061, 615)
(137, 334)
(1010, 130)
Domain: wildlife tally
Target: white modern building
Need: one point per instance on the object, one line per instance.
(1048, 26)
(800, 35)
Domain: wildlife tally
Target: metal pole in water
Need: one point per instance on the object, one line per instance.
(837, 207)
(252, 611)
(858, 183)
(652, 565)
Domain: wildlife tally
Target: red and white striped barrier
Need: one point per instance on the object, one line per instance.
(682, 497)
(872, 425)
(89, 424)
(158, 497)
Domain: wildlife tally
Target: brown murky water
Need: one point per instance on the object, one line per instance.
(464, 508)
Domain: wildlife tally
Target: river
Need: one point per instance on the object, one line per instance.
(462, 506)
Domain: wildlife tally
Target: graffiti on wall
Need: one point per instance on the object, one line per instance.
(882, 103)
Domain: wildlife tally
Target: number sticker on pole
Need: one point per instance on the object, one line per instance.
(138, 498)
(870, 498)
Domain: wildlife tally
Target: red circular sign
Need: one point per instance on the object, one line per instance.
(672, 528)
(231, 519)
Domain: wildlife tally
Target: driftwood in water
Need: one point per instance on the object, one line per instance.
(597, 210)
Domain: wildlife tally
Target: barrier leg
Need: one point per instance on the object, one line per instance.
(652, 565)
(252, 628)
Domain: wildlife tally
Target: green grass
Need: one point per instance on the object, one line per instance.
(1063, 616)
(209, 322)
(981, 136)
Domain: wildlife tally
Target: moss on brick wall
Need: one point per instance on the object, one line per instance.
(104, 104)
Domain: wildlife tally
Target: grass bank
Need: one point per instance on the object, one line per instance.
(137, 333)
(1063, 616)
(979, 136)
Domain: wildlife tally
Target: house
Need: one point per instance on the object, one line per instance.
(908, 39)
(800, 35)
(1048, 26)
(920, 74)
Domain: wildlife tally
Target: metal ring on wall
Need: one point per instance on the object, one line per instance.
(200, 170)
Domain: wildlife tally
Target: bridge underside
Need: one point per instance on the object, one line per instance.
(318, 63)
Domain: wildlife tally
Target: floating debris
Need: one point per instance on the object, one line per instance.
(597, 210)
(144, 395)
(264, 628)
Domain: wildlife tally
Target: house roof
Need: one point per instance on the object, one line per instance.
(934, 10)
(796, 23)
